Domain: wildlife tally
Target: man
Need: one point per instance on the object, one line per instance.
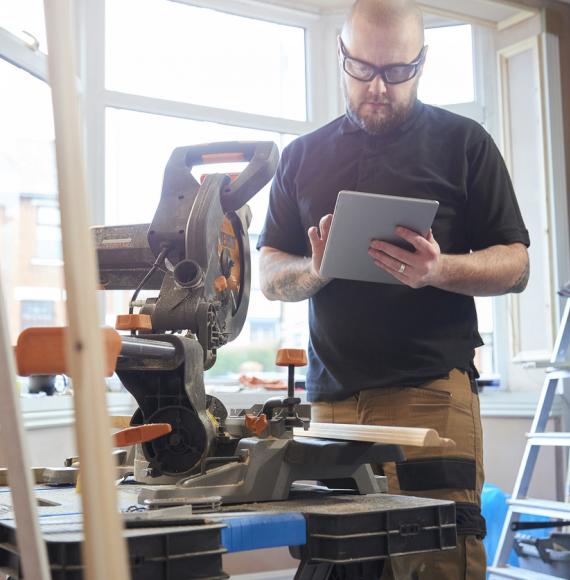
(400, 354)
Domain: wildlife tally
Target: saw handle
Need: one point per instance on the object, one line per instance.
(140, 434)
(263, 157)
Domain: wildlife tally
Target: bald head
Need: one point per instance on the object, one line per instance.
(386, 15)
(379, 34)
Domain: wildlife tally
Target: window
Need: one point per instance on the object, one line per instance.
(29, 215)
(162, 80)
(263, 331)
(448, 76)
(36, 313)
(48, 233)
(206, 57)
(485, 355)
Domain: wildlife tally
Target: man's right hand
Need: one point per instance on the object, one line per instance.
(318, 238)
(292, 278)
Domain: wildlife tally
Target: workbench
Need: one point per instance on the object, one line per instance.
(323, 531)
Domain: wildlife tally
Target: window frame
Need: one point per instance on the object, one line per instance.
(322, 104)
(320, 32)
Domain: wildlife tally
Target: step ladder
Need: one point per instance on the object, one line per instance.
(519, 504)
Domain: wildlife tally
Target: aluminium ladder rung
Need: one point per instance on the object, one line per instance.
(549, 439)
(557, 374)
(540, 507)
(521, 573)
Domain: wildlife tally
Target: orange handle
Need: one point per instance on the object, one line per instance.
(41, 351)
(140, 434)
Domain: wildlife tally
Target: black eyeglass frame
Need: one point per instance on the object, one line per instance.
(381, 70)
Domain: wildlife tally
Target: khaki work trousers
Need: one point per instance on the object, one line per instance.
(451, 406)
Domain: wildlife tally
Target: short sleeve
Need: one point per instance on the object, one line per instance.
(493, 213)
(283, 229)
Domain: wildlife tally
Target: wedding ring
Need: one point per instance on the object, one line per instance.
(402, 268)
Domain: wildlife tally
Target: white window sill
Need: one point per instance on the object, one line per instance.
(501, 403)
(494, 402)
(57, 411)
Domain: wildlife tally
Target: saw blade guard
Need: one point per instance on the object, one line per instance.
(206, 258)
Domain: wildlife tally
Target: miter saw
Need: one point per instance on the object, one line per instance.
(195, 253)
(190, 452)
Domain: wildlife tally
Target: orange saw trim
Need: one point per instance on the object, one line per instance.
(230, 157)
(134, 322)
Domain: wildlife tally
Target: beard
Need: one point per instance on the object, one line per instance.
(392, 114)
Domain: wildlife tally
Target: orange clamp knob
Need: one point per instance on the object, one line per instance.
(256, 423)
(140, 434)
(296, 357)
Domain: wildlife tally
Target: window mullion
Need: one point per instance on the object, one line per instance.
(143, 104)
(318, 103)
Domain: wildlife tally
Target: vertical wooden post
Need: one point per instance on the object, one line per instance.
(33, 555)
(104, 553)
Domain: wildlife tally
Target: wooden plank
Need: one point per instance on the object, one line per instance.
(104, 549)
(376, 434)
(30, 544)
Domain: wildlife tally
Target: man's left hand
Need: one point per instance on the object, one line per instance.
(415, 269)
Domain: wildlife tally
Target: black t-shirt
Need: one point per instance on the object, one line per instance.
(365, 335)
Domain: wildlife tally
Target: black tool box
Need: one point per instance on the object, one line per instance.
(349, 528)
(192, 551)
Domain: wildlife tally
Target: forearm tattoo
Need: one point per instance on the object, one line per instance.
(291, 280)
(521, 283)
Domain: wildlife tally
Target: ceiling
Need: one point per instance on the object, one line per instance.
(492, 13)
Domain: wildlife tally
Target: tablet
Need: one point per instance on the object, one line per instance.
(358, 219)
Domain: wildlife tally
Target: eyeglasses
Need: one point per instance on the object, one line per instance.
(391, 74)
